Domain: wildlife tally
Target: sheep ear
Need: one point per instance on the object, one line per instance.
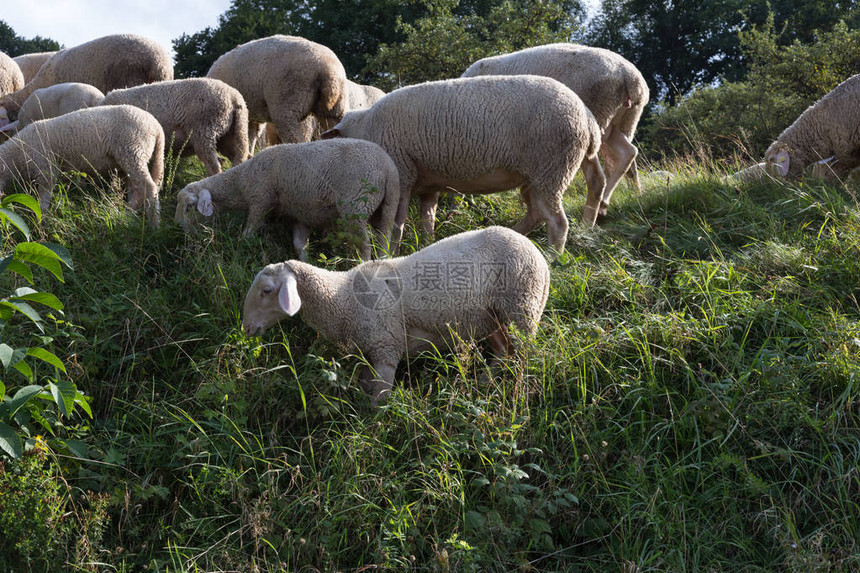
(782, 161)
(288, 295)
(4, 117)
(331, 133)
(204, 203)
(12, 127)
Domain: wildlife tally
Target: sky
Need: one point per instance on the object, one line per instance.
(73, 22)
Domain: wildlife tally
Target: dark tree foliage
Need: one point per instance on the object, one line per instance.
(14, 45)
(351, 28)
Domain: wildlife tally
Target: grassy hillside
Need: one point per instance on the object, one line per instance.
(689, 403)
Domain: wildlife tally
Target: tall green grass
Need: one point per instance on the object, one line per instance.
(689, 403)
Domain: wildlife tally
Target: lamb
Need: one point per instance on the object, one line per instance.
(609, 85)
(109, 62)
(470, 285)
(826, 132)
(54, 101)
(444, 135)
(93, 140)
(11, 78)
(208, 113)
(314, 184)
(284, 79)
(31, 63)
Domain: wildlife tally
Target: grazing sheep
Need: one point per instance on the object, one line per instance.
(313, 184)
(208, 113)
(471, 285)
(284, 79)
(93, 140)
(108, 63)
(825, 132)
(359, 96)
(54, 101)
(484, 135)
(609, 85)
(31, 63)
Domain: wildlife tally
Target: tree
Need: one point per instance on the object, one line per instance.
(14, 45)
(454, 34)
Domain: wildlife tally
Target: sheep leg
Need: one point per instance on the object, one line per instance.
(383, 383)
(596, 182)
(532, 218)
(143, 192)
(399, 221)
(429, 203)
(255, 135)
(623, 153)
(300, 241)
(206, 149)
(256, 216)
(500, 342)
(556, 221)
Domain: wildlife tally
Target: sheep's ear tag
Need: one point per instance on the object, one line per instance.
(288, 295)
(204, 203)
(782, 162)
(4, 117)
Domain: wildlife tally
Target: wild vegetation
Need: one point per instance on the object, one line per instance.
(689, 403)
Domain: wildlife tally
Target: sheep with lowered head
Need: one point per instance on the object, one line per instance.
(825, 133)
(485, 135)
(609, 85)
(53, 101)
(30, 64)
(284, 79)
(92, 140)
(109, 62)
(208, 113)
(471, 285)
(314, 185)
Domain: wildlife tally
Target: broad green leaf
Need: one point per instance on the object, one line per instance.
(78, 448)
(50, 358)
(18, 267)
(6, 353)
(24, 369)
(21, 397)
(16, 220)
(45, 298)
(24, 309)
(26, 200)
(2, 391)
(41, 255)
(62, 254)
(9, 441)
(82, 401)
(64, 395)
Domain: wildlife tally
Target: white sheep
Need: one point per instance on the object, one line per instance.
(284, 79)
(54, 101)
(208, 113)
(826, 132)
(31, 63)
(92, 140)
(359, 96)
(471, 285)
(109, 62)
(484, 135)
(610, 86)
(11, 78)
(314, 184)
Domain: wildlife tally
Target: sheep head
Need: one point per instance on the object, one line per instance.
(777, 160)
(272, 297)
(190, 202)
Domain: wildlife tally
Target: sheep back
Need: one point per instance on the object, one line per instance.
(31, 63)
(108, 63)
(11, 78)
(56, 100)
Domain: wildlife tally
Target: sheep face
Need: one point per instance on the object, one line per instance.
(193, 202)
(778, 161)
(272, 297)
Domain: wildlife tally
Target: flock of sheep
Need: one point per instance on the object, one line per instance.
(352, 154)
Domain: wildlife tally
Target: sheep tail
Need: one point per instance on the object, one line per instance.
(157, 167)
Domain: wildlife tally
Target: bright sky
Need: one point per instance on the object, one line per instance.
(72, 22)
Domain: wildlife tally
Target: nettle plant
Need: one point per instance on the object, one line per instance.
(43, 400)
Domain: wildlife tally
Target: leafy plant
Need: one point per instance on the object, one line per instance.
(34, 406)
